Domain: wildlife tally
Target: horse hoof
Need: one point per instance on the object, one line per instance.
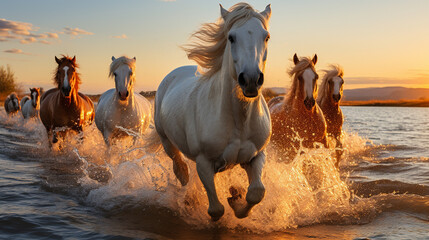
(237, 202)
(216, 214)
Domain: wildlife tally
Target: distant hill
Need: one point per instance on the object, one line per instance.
(385, 93)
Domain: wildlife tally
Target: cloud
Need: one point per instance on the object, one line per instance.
(76, 31)
(28, 40)
(123, 36)
(386, 80)
(16, 51)
(45, 42)
(26, 33)
(8, 27)
(52, 35)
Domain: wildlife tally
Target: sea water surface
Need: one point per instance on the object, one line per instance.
(87, 191)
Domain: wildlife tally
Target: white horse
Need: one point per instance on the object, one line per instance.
(121, 107)
(219, 118)
(30, 106)
(11, 104)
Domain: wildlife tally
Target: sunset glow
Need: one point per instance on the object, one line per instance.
(379, 43)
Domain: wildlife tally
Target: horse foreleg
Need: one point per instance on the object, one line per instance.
(206, 172)
(179, 166)
(338, 151)
(255, 191)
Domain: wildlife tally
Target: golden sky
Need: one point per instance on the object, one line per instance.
(379, 43)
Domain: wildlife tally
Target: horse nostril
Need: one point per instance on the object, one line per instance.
(127, 93)
(241, 80)
(261, 79)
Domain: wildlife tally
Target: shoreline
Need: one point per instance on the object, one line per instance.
(371, 103)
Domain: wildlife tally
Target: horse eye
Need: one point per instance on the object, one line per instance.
(231, 39)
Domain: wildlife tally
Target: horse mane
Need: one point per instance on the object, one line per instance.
(210, 40)
(12, 95)
(121, 61)
(34, 90)
(333, 71)
(57, 79)
(294, 72)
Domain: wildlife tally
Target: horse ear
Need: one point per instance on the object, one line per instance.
(57, 60)
(113, 58)
(314, 59)
(267, 12)
(74, 59)
(295, 59)
(30, 89)
(223, 12)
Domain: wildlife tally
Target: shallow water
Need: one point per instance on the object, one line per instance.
(86, 191)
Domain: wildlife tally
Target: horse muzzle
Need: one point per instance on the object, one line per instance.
(250, 83)
(309, 103)
(66, 91)
(123, 95)
(336, 97)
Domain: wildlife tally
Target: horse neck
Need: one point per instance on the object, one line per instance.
(295, 100)
(73, 100)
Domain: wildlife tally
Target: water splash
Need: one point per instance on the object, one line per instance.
(306, 191)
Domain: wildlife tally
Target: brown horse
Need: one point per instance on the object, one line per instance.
(330, 93)
(297, 117)
(64, 107)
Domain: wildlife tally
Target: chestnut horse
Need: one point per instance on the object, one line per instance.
(30, 106)
(297, 117)
(330, 93)
(11, 104)
(64, 107)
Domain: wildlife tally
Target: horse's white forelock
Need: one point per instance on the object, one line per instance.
(211, 39)
(124, 60)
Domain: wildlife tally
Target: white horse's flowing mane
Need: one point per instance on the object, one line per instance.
(295, 71)
(210, 40)
(333, 71)
(121, 61)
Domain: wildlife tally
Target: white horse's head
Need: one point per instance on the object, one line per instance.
(307, 79)
(35, 96)
(247, 42)
(123, 70)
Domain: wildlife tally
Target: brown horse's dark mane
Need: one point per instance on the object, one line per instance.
(57, 80)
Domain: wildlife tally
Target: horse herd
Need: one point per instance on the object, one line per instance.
(214, 115)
